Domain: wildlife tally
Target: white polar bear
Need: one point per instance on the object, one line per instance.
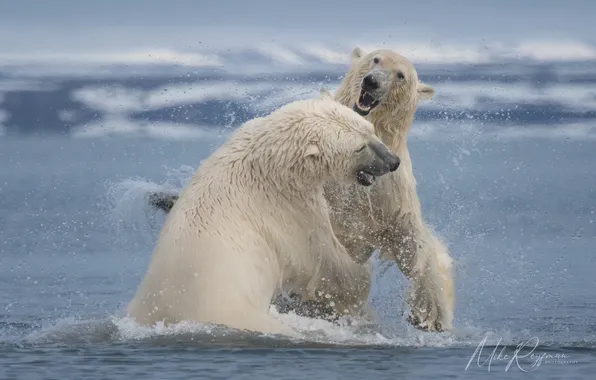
(253, 222)
(383, 86)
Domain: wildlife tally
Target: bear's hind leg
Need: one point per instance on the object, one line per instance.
(162, 201)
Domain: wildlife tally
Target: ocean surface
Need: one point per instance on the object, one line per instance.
(505, 159)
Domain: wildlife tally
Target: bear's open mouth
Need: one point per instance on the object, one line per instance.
(365, 103)
(364, 178)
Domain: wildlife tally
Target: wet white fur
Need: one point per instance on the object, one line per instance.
(388, 215)
(253, 220)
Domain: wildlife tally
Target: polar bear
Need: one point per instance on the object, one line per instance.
(253, 222)
(383, 87)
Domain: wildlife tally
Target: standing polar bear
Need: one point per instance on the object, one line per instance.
(383, 86)
(253, 222)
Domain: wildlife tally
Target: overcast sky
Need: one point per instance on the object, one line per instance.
(29, 26)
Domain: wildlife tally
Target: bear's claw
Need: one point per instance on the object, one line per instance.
(428, 326)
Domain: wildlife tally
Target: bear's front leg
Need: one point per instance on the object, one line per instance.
(424, 260)
(342, 284)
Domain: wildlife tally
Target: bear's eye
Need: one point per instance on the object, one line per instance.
(400, 75)
(376, 60)
(361, 148)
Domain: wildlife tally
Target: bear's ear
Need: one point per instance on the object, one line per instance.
(425, 92)
(325, 93)
(357, 53)
(311, 150)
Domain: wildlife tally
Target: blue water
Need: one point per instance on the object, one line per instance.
(518, 215)
(504, 159)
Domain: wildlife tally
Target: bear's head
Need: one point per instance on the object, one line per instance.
(381, 79)
(343, 145)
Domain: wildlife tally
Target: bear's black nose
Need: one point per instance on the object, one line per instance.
(394, 162)
(370, 83)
